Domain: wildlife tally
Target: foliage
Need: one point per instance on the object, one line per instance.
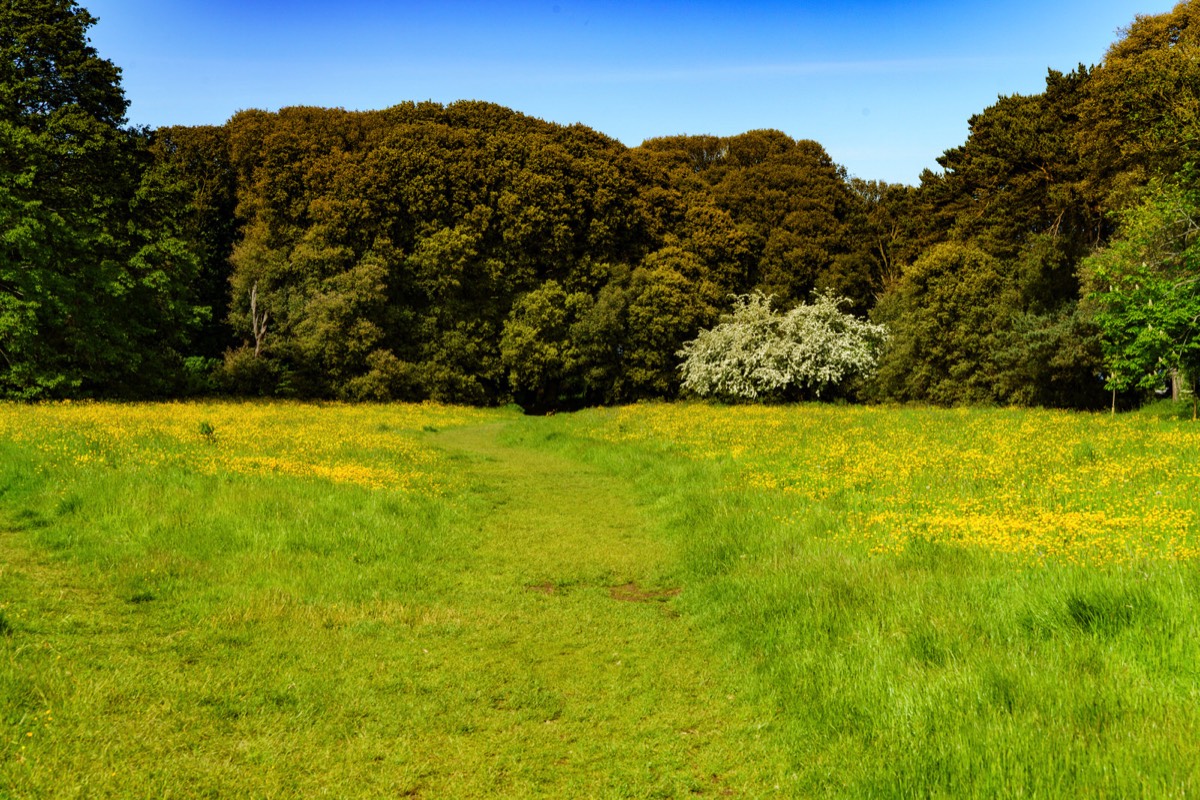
(401, 254)
(95, 282)
(1146, 289)
(950, 315)
(464, 215)
(756, 353)
(1019, 177)
(669, 298)
(795, 220)
(247, 375)
(1034, 188)
(1051, 359)
(1140, 120)
(406, 237)
(541, 360)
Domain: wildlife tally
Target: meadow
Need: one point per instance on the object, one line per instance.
(661, 600)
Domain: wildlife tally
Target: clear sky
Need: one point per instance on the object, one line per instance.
(886, 86)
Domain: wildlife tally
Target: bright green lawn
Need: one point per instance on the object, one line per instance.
(550, 613)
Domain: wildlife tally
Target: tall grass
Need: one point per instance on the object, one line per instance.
(937, 665)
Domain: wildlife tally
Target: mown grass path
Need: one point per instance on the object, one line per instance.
(175, 634)
(613, 690)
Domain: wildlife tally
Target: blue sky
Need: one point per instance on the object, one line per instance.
(886, 86)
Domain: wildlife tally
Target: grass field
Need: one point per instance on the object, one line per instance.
(284, 600)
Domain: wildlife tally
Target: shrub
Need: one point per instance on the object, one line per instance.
(757, 353)
(247, 374)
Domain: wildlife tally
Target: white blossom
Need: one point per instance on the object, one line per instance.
(757, 353)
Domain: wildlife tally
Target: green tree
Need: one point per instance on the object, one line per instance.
(1019, 176)
(887, 229)
(540, 358)
(601, 335)
(1146, 289)
(1019, 192)
(1141, 118)
(669, 299)
(950, 317)
(94, 282)
(194, 167)
(391, 247)
(790, 204)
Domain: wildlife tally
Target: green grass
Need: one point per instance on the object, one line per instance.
(569, 616)
(183, 635)
(940, 671)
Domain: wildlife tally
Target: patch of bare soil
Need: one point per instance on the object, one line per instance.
(632, 593)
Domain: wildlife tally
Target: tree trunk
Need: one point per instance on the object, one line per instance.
(258, 325)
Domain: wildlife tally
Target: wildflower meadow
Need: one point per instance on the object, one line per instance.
(277, 599)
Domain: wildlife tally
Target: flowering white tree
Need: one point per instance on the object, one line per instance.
(757, 353)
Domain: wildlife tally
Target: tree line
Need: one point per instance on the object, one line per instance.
(469, 253)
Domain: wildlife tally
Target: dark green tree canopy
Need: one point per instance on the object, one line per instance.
(1141, 117)
(48, 68)
(471, 253)
(95, 285)
(412, 238)
(1038, 186)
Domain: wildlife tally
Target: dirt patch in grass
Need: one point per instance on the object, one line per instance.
(543, 588)
(632, 593)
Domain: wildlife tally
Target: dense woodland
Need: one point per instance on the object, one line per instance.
(472, 254)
